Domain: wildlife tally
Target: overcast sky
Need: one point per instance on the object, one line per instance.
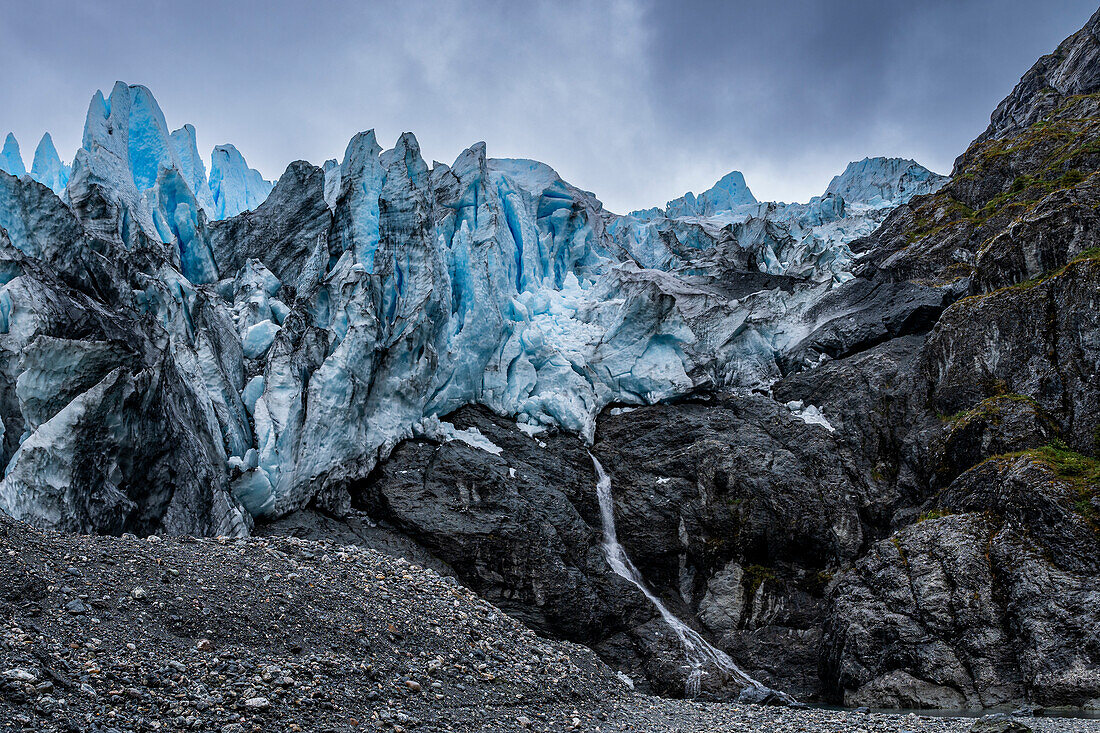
(636, 101)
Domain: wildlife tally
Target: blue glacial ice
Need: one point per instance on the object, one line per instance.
(192, 169)
(730, 192)
(234, 187)
(47, 167)
(406, 291)
(10, 159)
(881, 182)
(158, 177)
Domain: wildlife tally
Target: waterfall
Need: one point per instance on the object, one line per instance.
(698, 652)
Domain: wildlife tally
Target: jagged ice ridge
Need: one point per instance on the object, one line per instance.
(297, 331)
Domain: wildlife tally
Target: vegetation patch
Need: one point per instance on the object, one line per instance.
(1087, 258)
(1079, 472)
(1089, 255)
(990, 408)
(1066, 145)
(755, 576)
(933, 514)
(896, 542)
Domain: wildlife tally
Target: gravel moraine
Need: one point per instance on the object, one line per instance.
(240, 636)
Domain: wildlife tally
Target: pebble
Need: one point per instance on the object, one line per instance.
(20, 675)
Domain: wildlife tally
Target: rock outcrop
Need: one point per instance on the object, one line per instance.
(1014, 206)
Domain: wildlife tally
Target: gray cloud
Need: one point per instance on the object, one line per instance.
(636, 101)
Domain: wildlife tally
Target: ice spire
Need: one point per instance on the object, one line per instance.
(729, 192)
(10, 159)
(191, 167)
(47, 167)
(233, 185)
(884, 181)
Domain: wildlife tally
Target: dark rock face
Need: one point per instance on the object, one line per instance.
(876, 400)
(524, 533)
(708, 528)
(1036, 489)
(1072, 70)
(1040, 340)
(997, 425)
(1061, 227)
(517, 539)
(861, 314)
(720, 505)
(743, 473)
(980, 608)
(989, 597)
(892, 618)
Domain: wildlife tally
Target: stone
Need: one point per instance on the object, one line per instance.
(1000, 723)
(18, 674)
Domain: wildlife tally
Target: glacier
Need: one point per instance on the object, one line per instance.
(728, 193)
(882, 182)
(185, 145)
(297, 330)
(46, 167)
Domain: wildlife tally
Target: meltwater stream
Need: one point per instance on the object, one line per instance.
(698, 652)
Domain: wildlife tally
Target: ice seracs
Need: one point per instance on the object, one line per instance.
(727, 225)
(884, 181)
(128, 154)
(47, 167)
(10, 159)
(234, 187)
(186, 147)
(158, 177)
(728, 193)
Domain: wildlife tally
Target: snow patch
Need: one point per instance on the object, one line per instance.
(435, 429)
(530, 429)
(809, 414)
